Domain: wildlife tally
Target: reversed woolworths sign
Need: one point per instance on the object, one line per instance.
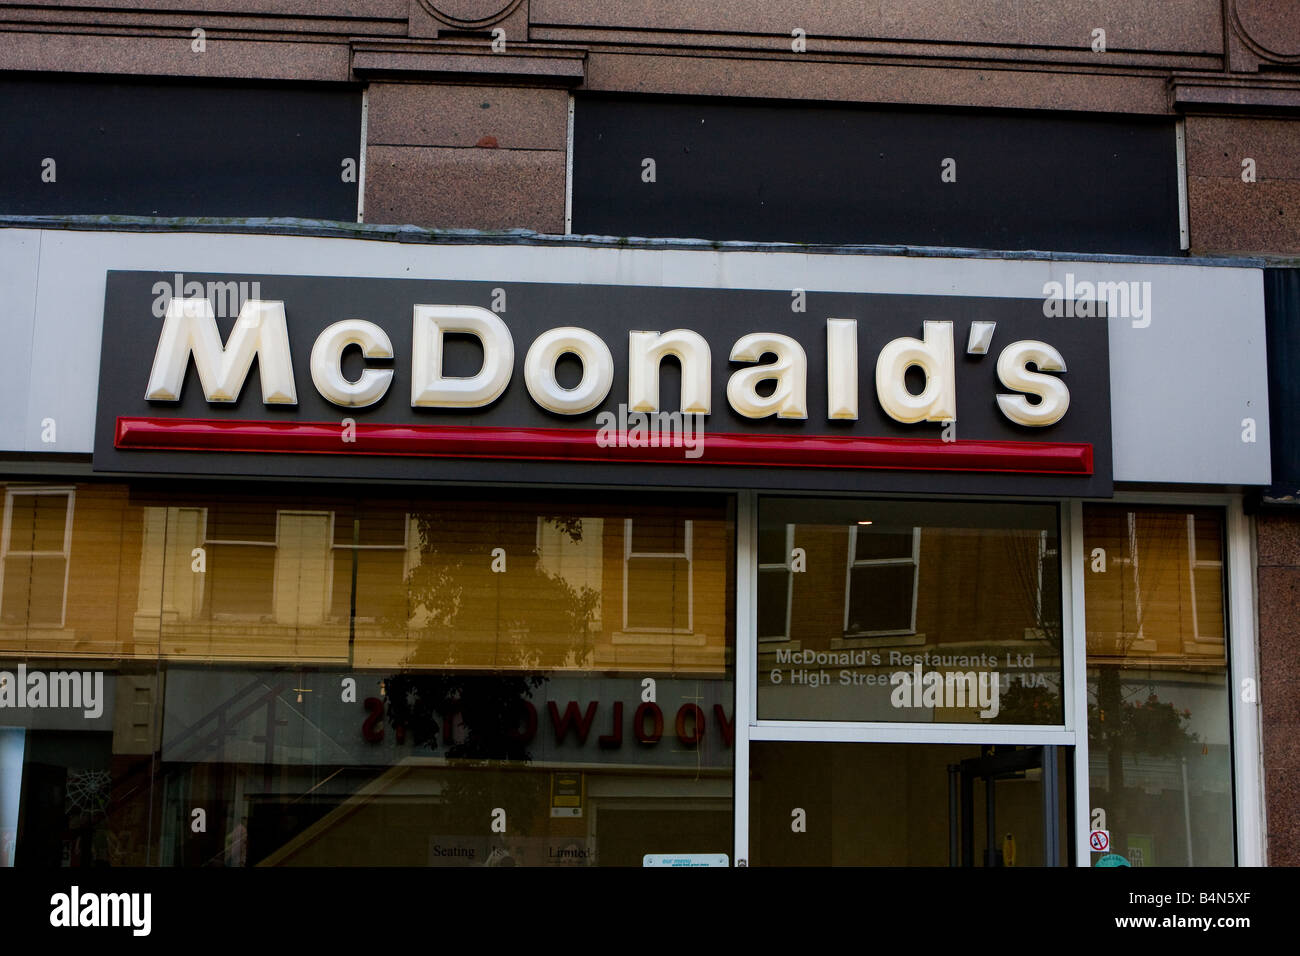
(302, 376)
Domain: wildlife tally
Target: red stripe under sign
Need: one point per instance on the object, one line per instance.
(572, 444)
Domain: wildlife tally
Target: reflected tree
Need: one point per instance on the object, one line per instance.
(1034, 558)
(481, 641)
(1127, 716)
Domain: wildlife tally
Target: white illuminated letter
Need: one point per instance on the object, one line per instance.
(1054, 395)
(189, 328)
(646, 350)
(327, 354)
(429, 387)
(597, 370)
(790, 371)
(933, 355)
(842, 369)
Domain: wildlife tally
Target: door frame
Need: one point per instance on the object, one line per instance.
(1240, 621)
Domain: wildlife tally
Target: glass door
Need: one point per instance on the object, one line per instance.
(911, 684)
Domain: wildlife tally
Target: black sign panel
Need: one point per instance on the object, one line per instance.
(131, 148)
(984, 452)
(1282, 322)
(799, 172)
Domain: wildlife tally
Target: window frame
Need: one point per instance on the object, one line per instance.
(1193, 564)
(404, 547)
(6, 529)
(1239, 628)
(855, 564)
(629, 554)
(274, 544)
(892, 731)
(205, 608)
(787, 567)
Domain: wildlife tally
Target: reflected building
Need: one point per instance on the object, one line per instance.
(374, 681)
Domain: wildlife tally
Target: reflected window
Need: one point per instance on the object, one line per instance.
(911, 611)
(377, 547)
(302, 567)
(570, 553)
(1205, 576)
(368, 680)
(657, 582)
(35, 546)
(1048, 585)
(1159, 728)
(776, 557)
(880, 594)
(240, 542)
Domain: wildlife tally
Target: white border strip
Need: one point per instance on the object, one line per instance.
(1073, 614)
(746, 662)
(568, 174)
(1247, 754)
(86, 256)
(1180, 148)
(909, 733)
(361, 158)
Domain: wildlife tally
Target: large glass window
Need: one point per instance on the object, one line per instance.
(932, 612)
(345, 676)
(306, 677)
(1159, 729)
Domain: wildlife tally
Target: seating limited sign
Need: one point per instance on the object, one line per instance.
(566, 382)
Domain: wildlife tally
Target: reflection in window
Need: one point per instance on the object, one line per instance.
(574, 560)
(775, 581)
(376, 546)
(482, 593)
(35, 543)
(935, 809)
(302, 567)
(881, 587)
(894, 594)
(1048, 584)
(1158, 710)
(657, 575)
(443, 769)
(1205, 576)
(241, 558)
(421, 583)
(347, 679)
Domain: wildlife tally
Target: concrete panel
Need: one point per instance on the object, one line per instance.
(826, 80)
(481, 188)
(1226, 213)
(1192, 25)
(408, 114)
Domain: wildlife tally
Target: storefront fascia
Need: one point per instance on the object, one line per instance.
(1187, 406)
